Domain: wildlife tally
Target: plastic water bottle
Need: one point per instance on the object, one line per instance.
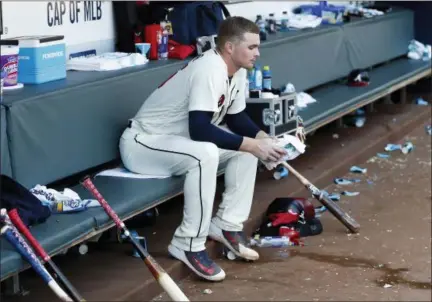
(258, 78)
(407, 148)
(272, 24)
(162, 39)
(262, 27)
(275, 241)
(251, 78)
(281, 172)
(267, 84)
(284, 21)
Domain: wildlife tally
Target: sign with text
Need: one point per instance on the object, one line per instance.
(59, 12)
(84, 24)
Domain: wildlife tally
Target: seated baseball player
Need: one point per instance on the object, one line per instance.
(191, 123)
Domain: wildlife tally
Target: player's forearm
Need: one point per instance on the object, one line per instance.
(248, 145)
(241, 124)
(200, 129)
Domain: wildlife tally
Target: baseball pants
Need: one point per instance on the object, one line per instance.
(170, 155)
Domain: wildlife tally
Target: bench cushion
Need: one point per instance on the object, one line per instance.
(338, 98)
(293, 55)
(77, 126)
(387, 37)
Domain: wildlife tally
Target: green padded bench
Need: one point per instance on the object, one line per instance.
(336, 100)
(74, 125)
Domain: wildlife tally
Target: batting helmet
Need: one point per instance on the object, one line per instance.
(293, 212)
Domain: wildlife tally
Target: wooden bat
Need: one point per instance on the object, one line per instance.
(161, 276)
(333, 207)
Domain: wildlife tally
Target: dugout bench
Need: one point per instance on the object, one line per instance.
(62, 129)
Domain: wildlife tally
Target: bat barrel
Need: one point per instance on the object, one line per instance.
(164, 280)
(340, 214)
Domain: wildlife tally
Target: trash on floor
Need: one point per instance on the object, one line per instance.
(333, 196)
(346, 181)
(273, 241)
(428, 129)
(393, 147)
(421, 102)
(207, 291)
(357, 121)
(281, 172)
(383, 155)
(407, 148)
(356, 169)
(319, 211)
(347, 193)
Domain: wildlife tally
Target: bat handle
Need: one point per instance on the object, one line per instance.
(19, 224)
(88, 184)
(296, 174)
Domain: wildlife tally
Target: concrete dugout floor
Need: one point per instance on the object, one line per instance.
(390, 259)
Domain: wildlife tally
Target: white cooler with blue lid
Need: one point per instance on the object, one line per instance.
(41, 59)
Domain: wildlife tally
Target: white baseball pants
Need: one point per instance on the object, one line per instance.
(176, 155)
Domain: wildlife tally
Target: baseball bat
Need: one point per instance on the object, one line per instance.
(14, 217)
(15, 239)
(333, 207)
(161, 276)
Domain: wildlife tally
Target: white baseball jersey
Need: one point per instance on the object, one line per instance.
(203, 85)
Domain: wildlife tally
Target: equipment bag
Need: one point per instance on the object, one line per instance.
(13, 195)
(190, 19)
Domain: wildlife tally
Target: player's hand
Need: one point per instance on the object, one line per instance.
(266, 149)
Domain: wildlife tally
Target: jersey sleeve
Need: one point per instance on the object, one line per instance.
(239, 102)
(206, 88)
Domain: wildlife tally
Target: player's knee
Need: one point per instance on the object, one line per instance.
(209, 152)
(250, 158)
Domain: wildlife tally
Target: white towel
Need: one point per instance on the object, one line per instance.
(304, 99)
(66, 201)
(292, 145)
(107, 61)
(304, 21)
